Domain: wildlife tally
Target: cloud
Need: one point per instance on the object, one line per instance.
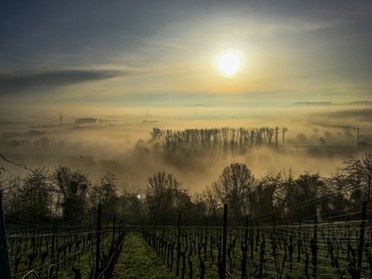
(19, 84)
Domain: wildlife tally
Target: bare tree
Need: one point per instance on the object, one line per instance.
(307, 187)
(72, 187)
(156, 134)
(235, 186)
(165, 196)
(276, 135)
(268, 196)
(132, 206)
(211, 202)
(105, 192)
(358, 176)
(34, 196)
(284, 130)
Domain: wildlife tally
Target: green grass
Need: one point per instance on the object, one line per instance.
(138, 260)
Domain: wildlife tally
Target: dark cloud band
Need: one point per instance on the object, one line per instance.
(16, 84)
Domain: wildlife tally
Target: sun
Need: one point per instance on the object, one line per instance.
(229, 63)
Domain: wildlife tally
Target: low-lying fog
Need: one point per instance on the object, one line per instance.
(318, 139)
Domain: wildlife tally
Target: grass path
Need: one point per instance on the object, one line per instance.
(138, 260)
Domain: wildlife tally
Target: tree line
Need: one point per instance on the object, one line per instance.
(64, 194)
(70, 196)
(280, 196)
(233, 139)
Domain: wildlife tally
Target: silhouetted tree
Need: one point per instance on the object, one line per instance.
(165, 197)
(156, 133)
(12, 194)
(339, 194)
(235, 186)
(276, 135)
(268, 197)
(302, 196)
(105, 192)
(211, 201)
(358, 175)
(34, 198)
(132, 207)
(284, 130)
(72, 187)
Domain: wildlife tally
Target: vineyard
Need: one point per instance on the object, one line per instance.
(301, 250)
(61, 225)
(309, 249)
(65, 252)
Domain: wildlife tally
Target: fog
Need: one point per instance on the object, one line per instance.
(118, 140)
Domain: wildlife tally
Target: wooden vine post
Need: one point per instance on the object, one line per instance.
(222, 272)
(361, 240)
(244, 247)
(315, 248)
(4, 257)
(178, 245)
(113, 232)
(98, 240)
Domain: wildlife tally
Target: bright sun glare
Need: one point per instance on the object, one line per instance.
(229, 63)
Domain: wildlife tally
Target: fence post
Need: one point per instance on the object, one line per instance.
(98, 240)
(206, 239)
(315, 248)
(299, 243)
(361, 240)
(113, 232)
(53, 240)
(4, 257)
(224, 242)
(245, 248)
(119, 226)
(178, 244)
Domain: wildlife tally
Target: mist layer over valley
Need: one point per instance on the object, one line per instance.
(316, 139)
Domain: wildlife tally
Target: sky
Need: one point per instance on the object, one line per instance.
(164, 53)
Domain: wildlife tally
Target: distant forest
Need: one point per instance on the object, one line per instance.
(235, 140)
(70, 197)
(240, 140)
